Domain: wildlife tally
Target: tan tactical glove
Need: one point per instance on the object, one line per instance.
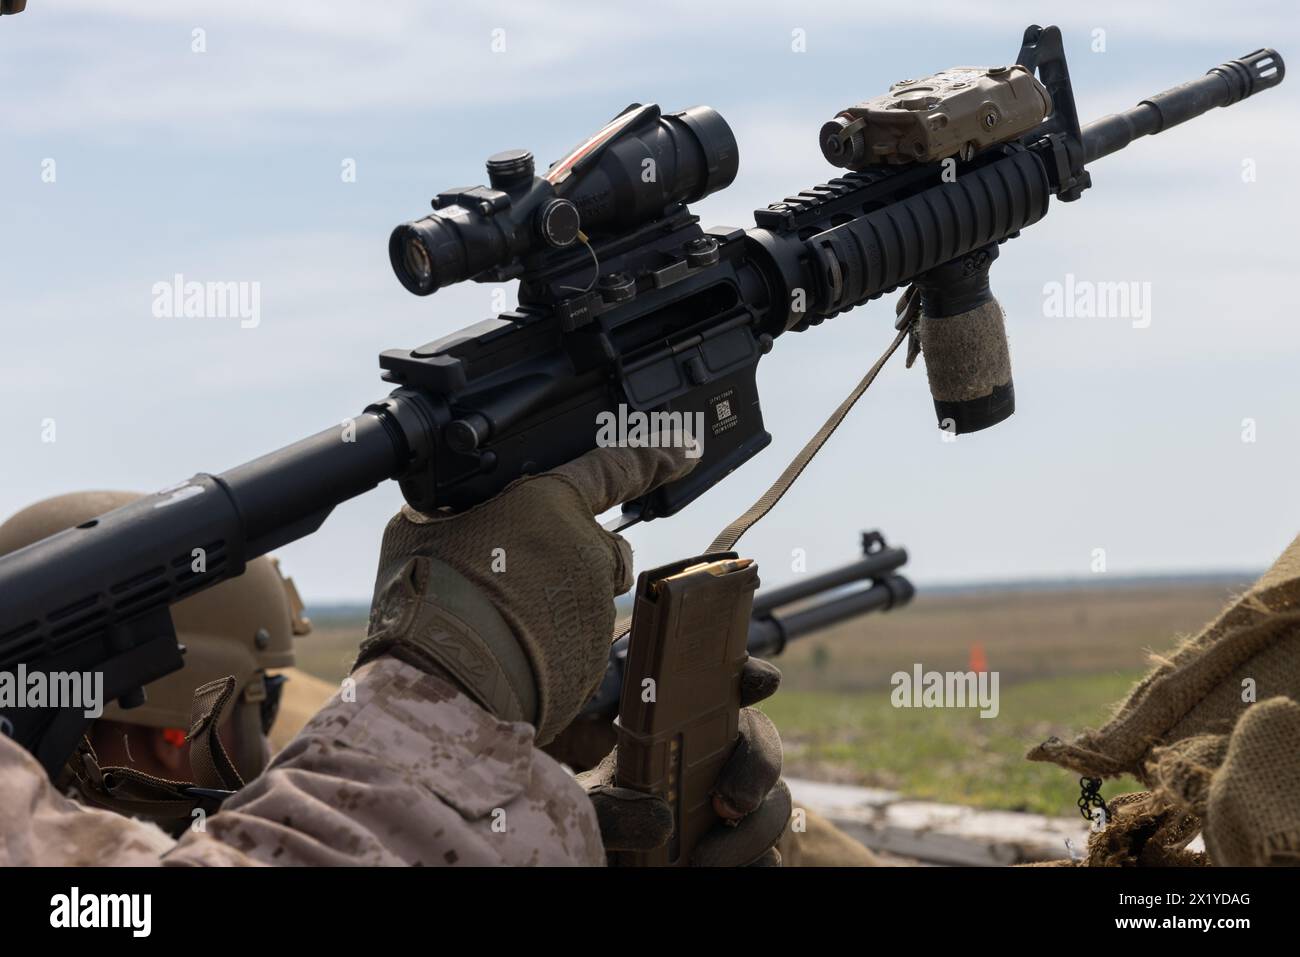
(513, 600)
(749, 794)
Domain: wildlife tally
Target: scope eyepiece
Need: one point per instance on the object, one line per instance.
(633, 171)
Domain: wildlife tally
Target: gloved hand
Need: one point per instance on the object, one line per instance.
(749, 795)
(513, 600)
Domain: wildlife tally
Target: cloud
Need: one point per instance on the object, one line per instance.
(81, 65)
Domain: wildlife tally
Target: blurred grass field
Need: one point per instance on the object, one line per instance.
(330, 649)
(1064, 656)
(948, 755)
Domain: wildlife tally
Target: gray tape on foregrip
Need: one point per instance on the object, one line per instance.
(966, 355)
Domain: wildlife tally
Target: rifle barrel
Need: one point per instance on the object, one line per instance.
(769, 633)
(868, 567)
(1221, 86)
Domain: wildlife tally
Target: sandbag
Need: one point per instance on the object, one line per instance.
(1250, 652)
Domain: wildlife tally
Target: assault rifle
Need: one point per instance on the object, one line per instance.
(624, 301)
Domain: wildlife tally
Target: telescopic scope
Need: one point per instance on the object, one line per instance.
(632, 171)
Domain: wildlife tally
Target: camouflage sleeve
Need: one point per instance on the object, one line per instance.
(41, 827)
(400, 768)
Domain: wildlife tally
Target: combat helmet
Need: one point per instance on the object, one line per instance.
(241, 628)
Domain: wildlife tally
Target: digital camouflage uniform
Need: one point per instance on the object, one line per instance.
(410, 772)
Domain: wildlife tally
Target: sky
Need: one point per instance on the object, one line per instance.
(212, 140)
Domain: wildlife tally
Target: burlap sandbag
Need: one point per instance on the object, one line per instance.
(1250, 652)
(1142, 831)
(1145, 831)
(1181, 773)
(1243, 786)
(1252, 813)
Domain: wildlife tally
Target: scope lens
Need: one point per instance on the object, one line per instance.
(416, 258)
(424, 255)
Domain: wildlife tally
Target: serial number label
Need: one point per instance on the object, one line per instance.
(724, 414)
